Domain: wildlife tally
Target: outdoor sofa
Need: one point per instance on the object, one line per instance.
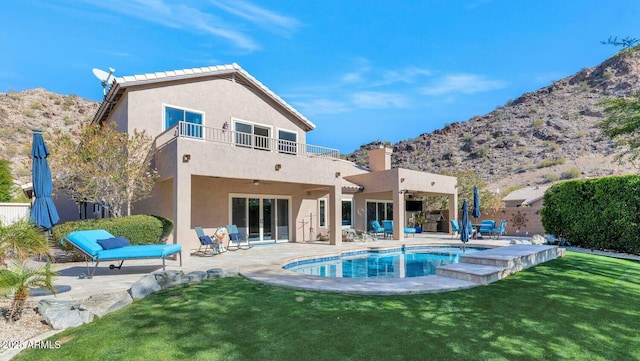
(99, 245)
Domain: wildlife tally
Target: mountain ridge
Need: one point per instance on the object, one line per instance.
(542, 136)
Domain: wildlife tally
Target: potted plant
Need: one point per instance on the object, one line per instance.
(419, 219)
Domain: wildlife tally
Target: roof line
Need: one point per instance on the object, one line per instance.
(120, 83)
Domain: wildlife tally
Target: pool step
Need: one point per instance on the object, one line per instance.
(494, 264)
(476, 273)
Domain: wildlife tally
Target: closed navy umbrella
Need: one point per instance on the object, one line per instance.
(43, 211)
(464, 226)
(476, 203)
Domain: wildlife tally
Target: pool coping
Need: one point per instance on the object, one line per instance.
(276, 275)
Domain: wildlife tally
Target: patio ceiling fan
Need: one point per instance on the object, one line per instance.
(258, 182)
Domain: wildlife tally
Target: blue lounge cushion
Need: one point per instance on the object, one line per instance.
(115, 242)
(86, 240)
(205, 240)
(140, 252)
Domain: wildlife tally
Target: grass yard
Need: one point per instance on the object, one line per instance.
(580, 307)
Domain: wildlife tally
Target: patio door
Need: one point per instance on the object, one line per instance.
(261, 218)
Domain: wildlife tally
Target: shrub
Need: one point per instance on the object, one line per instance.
(538, 123)
(551, 177)
(13, 94)
(481, 152)
(167, 228)
(138, 229)
(572, 173)
(602, 213)
(550, 162)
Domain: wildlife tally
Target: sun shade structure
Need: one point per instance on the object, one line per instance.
(43, 211)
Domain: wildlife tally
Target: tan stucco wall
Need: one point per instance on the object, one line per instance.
(220, 100)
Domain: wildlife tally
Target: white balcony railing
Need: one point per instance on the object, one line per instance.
(245, 140)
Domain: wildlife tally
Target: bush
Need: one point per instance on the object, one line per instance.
(572, 173)
(167, 228)
(601, 213)
(138, 229)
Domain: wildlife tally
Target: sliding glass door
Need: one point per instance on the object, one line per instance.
(261, 218)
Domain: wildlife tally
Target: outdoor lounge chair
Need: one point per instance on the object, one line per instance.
(236, 237)
(209, 245)
(376, 228)
(99, 245)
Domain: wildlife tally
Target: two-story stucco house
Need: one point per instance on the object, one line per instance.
(230, 151)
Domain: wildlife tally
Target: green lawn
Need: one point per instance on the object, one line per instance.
(580, 307)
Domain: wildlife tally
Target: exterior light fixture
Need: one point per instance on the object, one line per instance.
(337, 174)
(278, 166)
(256, 182)
(186, 158)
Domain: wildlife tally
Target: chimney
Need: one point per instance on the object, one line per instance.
(380, 159)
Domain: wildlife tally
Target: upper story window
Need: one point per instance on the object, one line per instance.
(287, 142)
(192, 121)
(253, 135)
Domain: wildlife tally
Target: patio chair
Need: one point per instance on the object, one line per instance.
(208, 246)
(238, 238)
(376, 228)
(455, 227)
(388, 228)
(500, 230)
(487, 227)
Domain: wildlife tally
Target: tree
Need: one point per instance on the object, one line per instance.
(490, 201)
(625, 43)
(18, 279)
(622, 125)
(18, 241)
(6, 181)
(104, 166)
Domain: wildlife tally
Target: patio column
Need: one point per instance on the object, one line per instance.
(398, 214)
(182, 209)
(453, 208)
(335, 214)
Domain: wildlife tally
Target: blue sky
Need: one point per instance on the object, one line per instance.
(360, 70)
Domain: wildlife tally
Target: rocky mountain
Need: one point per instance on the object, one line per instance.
(20, 112)
(540, 137)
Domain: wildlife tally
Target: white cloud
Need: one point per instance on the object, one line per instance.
(191, 18)
(379, 100)
(406, 75)
(462, 83)
(321, 106)
(281, 24)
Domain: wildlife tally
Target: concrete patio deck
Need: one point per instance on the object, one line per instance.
(264, 263)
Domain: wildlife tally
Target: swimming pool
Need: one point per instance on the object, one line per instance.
(389, 263)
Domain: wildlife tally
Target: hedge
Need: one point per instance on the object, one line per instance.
(602, 213)
(138, 229)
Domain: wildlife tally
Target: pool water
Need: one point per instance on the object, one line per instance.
(394, 263)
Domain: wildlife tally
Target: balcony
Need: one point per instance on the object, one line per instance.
(244, 140)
